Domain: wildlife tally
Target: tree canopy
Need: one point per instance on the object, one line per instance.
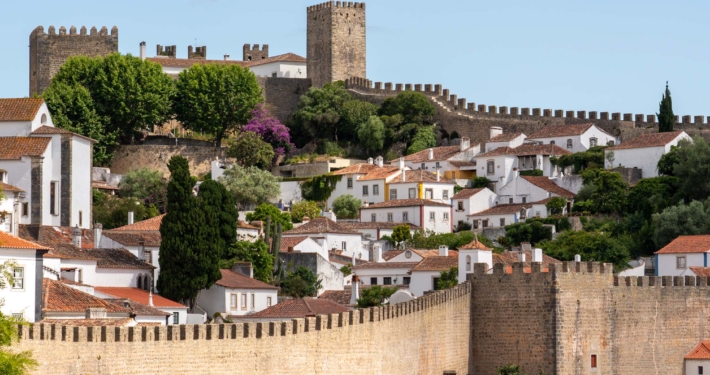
(12, 362)
(265, 210)
(375, 295)
(304, 208)
(414, 107)
(251, 151)
(401, 234)
(680, 220)
(270, 129)
(692, 170)
(320, 110)
(250, 186)
(424, 138)
(346, 206)
(594, 246)
(533, 232)
(372, 134)
(319, 188)
(257, 253)
(301, 283)
(145, 184)
(666, 118)
(448, 279)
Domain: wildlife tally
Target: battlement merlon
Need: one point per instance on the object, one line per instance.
(499, 269)
(39, 30)
(335, 4)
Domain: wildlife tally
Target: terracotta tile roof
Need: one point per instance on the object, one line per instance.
(321, 224)
(8, 241)
(137, 308)
(102, 185)
(507, 137)
(118, 322)
(535, 149)
(53, 130)
(467, 193)
(648, 140)
(436, 263)
(503, 209)
(300, 308)
(379, 173)
(475, 245)
(8, 187)
(148, 224)
(375, 225)
(426, 253)
(406, 203)
(700, 271)
(55, 237)
(546, 184)
(510, 257)
(391, 254)
(14, 148)
(420, 175)
(235, 280)
(701, 351)
(374, 265)
(560, 131)
(336, 256)
(687, 244)
(24, 109)
(140, 296)
(150, 238)
(440, 153)
(186, 63)
(360, 168)
(287, 242)
(117, 258)
(462, 163)
(243, 225)
(58, 297)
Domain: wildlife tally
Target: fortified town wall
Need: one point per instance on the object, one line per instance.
(428, 335)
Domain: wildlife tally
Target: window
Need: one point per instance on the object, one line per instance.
(502, 222)
(445, 194)
(423, 166)
(233, 301)
(459, 206)
(253, 300)
(405, 217)
(53, 197)
(437, 165)
(429, 194)
(510, 200)
(432, 216)
(490, 167)
(343, 245)
(18, 278)
(43, 119)
(244, 301)
(475, 224)
(569, 143)
(148, 257)
(268, 301)
(375, 189)
(3, 176)
(274, 74)
(390, 217)
(373, 218)
(386, 281)
(610, 143)
(373, 281)
(700, 368)
(468, 263)
(364, 190)
(525, 199)
(412, 193)
(446, 216)
(25, 208)
(435, 281)
(81, 217)
(484, 223)
(350, 182)
(680, 262)
(594, 361)
(592, 142)
(393, 194)
(406, 280)
(176, 318)
(552, 142)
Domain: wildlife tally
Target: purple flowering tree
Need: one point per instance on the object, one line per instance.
(271, 130)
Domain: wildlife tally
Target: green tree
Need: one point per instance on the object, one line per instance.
(668, 161)
(610, 193)
(651, 195)
(353, 113)
(251, 151)
(304, 208)
(666, 118)
(372, 134)
(112, 212)
(533, 232)
(319, 111)
(301, 283)
(346, 206)
(319, 188)
(556, 205)
(680, 220)
(431, 240)
(425, 138)
(591, 158)
(481, 182)
(187, 262)
(109, 98)
(250, 185)
(11, 361)
(347, 269)
(215, 98)
(257, 253)
(591, 246)
(401, 234)
(693, 171)
(375, 295)
(147, 185)
(510, 370)
(217, 201)
(448, 279)
(414, 107)
(265, 211)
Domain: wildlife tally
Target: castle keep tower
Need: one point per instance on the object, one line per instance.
(336, 42)
(250, 53)
(48, 51)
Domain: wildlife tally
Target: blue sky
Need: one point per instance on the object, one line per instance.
(612, 56)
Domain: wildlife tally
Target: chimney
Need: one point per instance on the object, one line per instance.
(577, 258)
(142, 51)
(495, 131)
(353, 262)
(141, 246)
(95, 313)
(525, 246)
(76, 237)
(438, 175)
(130, 217)
(404, 176)
(537, 255)
(97, 235)
(401, 164)
(226, 57)
(150, 298)
(521, 257)
(443, 251)
(431, 154)
(370, 161)
(365, 204)
(356, 293)
(243, 268)
(290, 249)
(465, 143)
(379, 161)
(377, 253)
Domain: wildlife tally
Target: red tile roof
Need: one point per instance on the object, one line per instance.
(140, 296)
(24, 109)
(546, 184)
(379, 174)
(14, 148)
(321, 225)
(53, 130)
(360, 168)
(467, 193)
(406, 203)
(505, 137)
(150, 238)
(58, 297)
(419, 175)
(243, 225)
(8, 241)
(648, 140)
(510, 257)
(462, 163)
(687, 244)
(700, 271)
(440, 153)
(102, 185)
(560, 131)
(374, 265)
(235, 280)
(8, 187)
(475, 245)
(436, 263)
(55, 237)
(186, 63)
(287, 242)
(527, 149)
(701, 351)
(300, 308)
(148, 224)
(136, 307)
(503, 209)
(119, 322)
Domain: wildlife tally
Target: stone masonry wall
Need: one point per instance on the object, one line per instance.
(156, 158)
(426, 336)
(48, 51)
(281, 95)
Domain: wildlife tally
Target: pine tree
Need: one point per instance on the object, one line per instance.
(665, 115)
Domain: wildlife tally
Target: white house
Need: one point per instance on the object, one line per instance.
(9, 208)
(470, 254)
(424, 213)
(247, 232)
(511, 140)
(330, 235)
(453, 162)
(236, 295)
(142, 239)
(389, 273)
(574, 138)
(413, 255)
(527, 189)
(501, 215)
(23, 298)
(375, 230)
(364, 181)
(302, 244)
(697, 361)
(421, 184)
(32, 152)
(62, 303)
(643, 152)
(177, 312)
(426, 274)
(676, 258)
(471, 201)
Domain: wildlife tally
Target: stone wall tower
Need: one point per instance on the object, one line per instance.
(336, 42)
(48, 51)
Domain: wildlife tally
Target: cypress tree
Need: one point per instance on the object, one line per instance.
(219, 228)
(665, 115)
